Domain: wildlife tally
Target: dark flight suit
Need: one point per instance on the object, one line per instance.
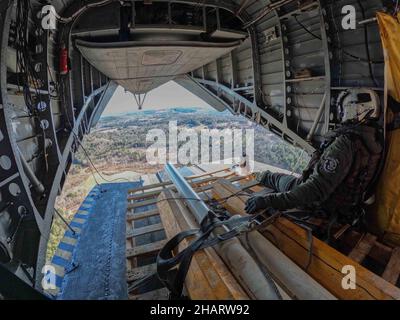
(326, 177)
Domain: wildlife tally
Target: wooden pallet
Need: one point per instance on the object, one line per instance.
(377, 265)
(364, 248)
(327, 261)
(146, 224)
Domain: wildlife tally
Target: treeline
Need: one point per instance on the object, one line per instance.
(123, 139)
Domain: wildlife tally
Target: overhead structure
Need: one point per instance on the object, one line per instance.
(142, 66)
(140, 99)
(281, 64)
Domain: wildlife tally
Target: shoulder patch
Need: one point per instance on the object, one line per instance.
(330, 165)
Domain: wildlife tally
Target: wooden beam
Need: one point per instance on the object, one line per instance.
(363, 247)
(145, 230)
(133, 194)
(380, 253)
(141, 215)
(297, 283)
(195, 185)
(141, 272)
(208, 277)
(392, 271)
(326, 264)
(139, 204)
(143, 188)
(166, 183)
(198, 167)
(159, 294)
(145, 249)
(203, 174)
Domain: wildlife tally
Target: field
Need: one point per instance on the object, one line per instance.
(117, 147)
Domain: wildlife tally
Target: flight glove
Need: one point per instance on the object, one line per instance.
(255, 204)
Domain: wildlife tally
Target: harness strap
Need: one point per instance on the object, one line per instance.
(172, 267)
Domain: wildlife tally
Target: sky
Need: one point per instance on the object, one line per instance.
(169, 95)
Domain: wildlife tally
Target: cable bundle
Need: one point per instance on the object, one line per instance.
(25, 64)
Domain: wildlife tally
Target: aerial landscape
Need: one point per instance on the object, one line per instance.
(117, 147)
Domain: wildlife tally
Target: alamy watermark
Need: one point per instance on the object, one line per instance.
(189, 146)
(349, 281)
(349, 21)
(49, 278)
(49, 17)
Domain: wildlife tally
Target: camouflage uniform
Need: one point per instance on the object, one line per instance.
(326, 177)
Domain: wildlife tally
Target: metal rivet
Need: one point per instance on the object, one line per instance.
(14, 189)
(5, 162)
(22, 211)
(41, 106)
(39, 48)
(38, 67)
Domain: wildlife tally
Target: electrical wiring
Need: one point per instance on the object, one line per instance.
(340, 67)
(20, 42)
(64, 221)
(367, 48)
(71, 18)
(219, 201)
(337, 46)
(26, 67)
(94, 167)
(269, 8)
(89, 159)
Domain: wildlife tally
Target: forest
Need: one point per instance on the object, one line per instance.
(117, 148)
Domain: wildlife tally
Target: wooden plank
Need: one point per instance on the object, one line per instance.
(141, 272)
(223, 189)
(380, 253)
(155, 193)
(140, 189)
(364, 246)
(144, 195)
(147, 180)
(139, 204)
(214, 166)
(141, 215)
(153, 179)
(326, 264)
(168, 183)
(145, 249)
(200, 168)
(392, 271)
(201, 290)
(208, 277)
(145, 230)
(196, 172)
(197, 188)
(209, 173)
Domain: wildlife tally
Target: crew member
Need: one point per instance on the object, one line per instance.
(340, 173)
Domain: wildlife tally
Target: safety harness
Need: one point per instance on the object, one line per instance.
(358, 185)
(173, 265)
